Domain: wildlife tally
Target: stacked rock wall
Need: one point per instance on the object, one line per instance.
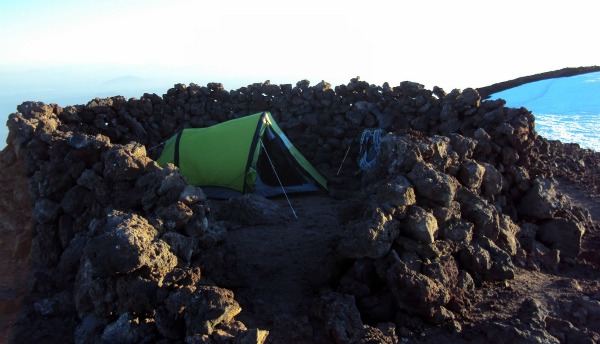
(321, 120)
(117, 240)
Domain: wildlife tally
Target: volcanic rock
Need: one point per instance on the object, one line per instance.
(101, 244)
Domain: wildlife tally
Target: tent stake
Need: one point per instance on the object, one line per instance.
(279, 180)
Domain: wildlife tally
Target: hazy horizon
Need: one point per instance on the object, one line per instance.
(71, 51)
(563, 111)
(77, 85)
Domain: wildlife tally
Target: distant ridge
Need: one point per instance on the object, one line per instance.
(486, 91)
(123, 81)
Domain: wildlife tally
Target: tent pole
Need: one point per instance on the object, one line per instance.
(279, 180)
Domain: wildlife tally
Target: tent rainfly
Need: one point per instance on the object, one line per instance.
(245, 155)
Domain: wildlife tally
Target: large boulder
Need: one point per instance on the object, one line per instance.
(463, 146)
(398, 155)
(492, 180)
(371, 236)
(459, 232)
(340, 317)
(127, 244)
(416, 293)
(398, 192)
(420, 225)
(479, 212)
(541, 201)
(196, 312)
(126, 162)
(124, 330)
(486, 261)
(45, 210)
(563, 234)
(470, 174)
(433, 185)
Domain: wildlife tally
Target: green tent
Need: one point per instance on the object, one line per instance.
(245, 155)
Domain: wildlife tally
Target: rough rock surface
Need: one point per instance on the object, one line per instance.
(465, 203)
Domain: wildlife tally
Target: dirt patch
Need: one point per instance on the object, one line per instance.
(279, 268)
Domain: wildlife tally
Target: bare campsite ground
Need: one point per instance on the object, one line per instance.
(279, 271)
(280, 268)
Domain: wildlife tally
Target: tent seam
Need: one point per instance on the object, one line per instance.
(176, 150)
(253, 146)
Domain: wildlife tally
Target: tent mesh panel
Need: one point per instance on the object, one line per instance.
(288, 174)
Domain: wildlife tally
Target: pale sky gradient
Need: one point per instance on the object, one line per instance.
(452, 44)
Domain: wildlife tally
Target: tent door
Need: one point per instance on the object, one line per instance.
(286, 169)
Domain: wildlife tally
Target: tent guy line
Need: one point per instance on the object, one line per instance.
(278, 179)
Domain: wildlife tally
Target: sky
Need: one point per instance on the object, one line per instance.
(71, 51)
(452, 44)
